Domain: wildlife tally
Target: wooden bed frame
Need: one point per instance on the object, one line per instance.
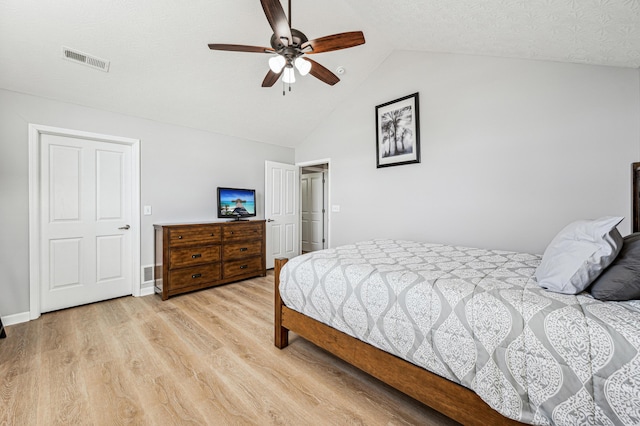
(635, 196)
(449, 398)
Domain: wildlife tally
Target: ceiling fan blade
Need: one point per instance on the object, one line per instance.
(271, 78)
(322, 73)
(278, 20)
(241, 48)
(334, 42)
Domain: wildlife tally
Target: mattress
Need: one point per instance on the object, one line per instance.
(478, 318)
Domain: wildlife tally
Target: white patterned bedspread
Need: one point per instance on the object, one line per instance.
(478, 318)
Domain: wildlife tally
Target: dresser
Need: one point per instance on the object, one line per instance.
(194, 256)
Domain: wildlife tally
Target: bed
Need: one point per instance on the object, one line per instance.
(468, 332)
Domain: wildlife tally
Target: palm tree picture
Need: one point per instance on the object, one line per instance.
(397, 135)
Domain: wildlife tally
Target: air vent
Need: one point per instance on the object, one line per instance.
(85, 59)
(148, 273)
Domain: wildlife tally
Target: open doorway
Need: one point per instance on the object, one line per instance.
(314, 200)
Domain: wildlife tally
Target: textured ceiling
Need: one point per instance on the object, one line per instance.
(603, 32)
(161, 68)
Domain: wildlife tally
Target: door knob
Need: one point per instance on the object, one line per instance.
(125, 227)
(270, 220)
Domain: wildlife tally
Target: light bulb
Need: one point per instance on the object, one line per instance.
(276, 63)
(303, 65)
(289, 75)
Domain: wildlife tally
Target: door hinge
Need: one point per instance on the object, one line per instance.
(323, 240)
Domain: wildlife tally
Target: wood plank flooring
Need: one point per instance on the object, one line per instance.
(204, 358)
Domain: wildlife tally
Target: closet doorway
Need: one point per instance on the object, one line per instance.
(314, 202)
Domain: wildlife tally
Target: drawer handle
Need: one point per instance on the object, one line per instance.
(243, 249)
(179, 237)
(211, 235)
(231, 232)
(243, 267)
(195, 256)
(194, 276)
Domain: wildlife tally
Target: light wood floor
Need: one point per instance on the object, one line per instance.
(205, 358)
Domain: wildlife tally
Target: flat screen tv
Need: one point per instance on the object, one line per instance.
(236, 203)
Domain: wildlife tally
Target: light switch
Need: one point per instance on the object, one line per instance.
(147, 210)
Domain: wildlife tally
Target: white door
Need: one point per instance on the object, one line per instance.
(281, 211)
(85, 217)
(312, 194)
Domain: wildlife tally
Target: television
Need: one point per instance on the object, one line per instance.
(236, 203)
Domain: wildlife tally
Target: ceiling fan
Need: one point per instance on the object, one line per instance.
(288, 46)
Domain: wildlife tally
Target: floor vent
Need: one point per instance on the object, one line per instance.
(148, 273)
(85, 59)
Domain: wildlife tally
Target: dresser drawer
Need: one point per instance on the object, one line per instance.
(242, 250)
(195, 276)
(180, 257)
(243, 231)
(196, 235)
(239, 268)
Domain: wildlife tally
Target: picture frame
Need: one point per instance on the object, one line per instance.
(635, 195)
(398, 132)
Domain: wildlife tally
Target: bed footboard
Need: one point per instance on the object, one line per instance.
(281, 337)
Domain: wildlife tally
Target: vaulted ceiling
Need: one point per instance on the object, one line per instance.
(161, 68)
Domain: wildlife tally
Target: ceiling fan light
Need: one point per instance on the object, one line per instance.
(289, 76)
(303, 65)
(276, 63)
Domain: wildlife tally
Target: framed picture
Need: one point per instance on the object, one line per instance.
(635, 196)
(398, 132)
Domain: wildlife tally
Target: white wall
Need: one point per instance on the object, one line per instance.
(180, 170)
(512, 150)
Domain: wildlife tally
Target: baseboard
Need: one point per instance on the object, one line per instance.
(147, 291)
(25, 316)
(15, 318)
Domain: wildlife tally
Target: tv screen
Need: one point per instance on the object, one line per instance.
(236, 203)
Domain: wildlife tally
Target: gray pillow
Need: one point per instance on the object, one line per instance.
(621, 280)
(578, 254)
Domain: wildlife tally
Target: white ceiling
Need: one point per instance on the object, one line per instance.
(161, 68)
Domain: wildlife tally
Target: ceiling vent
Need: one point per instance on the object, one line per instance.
(85, 59)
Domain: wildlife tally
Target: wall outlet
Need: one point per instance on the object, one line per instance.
(335, 208)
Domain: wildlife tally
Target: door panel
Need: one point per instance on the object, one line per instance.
(312, 211)
(305, 231)
(64, 183)
(85, 204)
(109, 186)
(290, 238)
(110, 257)
(65, 263)
(276, 242)
(317, 211)
(281, 211)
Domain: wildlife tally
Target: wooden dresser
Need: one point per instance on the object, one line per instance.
(199, 255)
